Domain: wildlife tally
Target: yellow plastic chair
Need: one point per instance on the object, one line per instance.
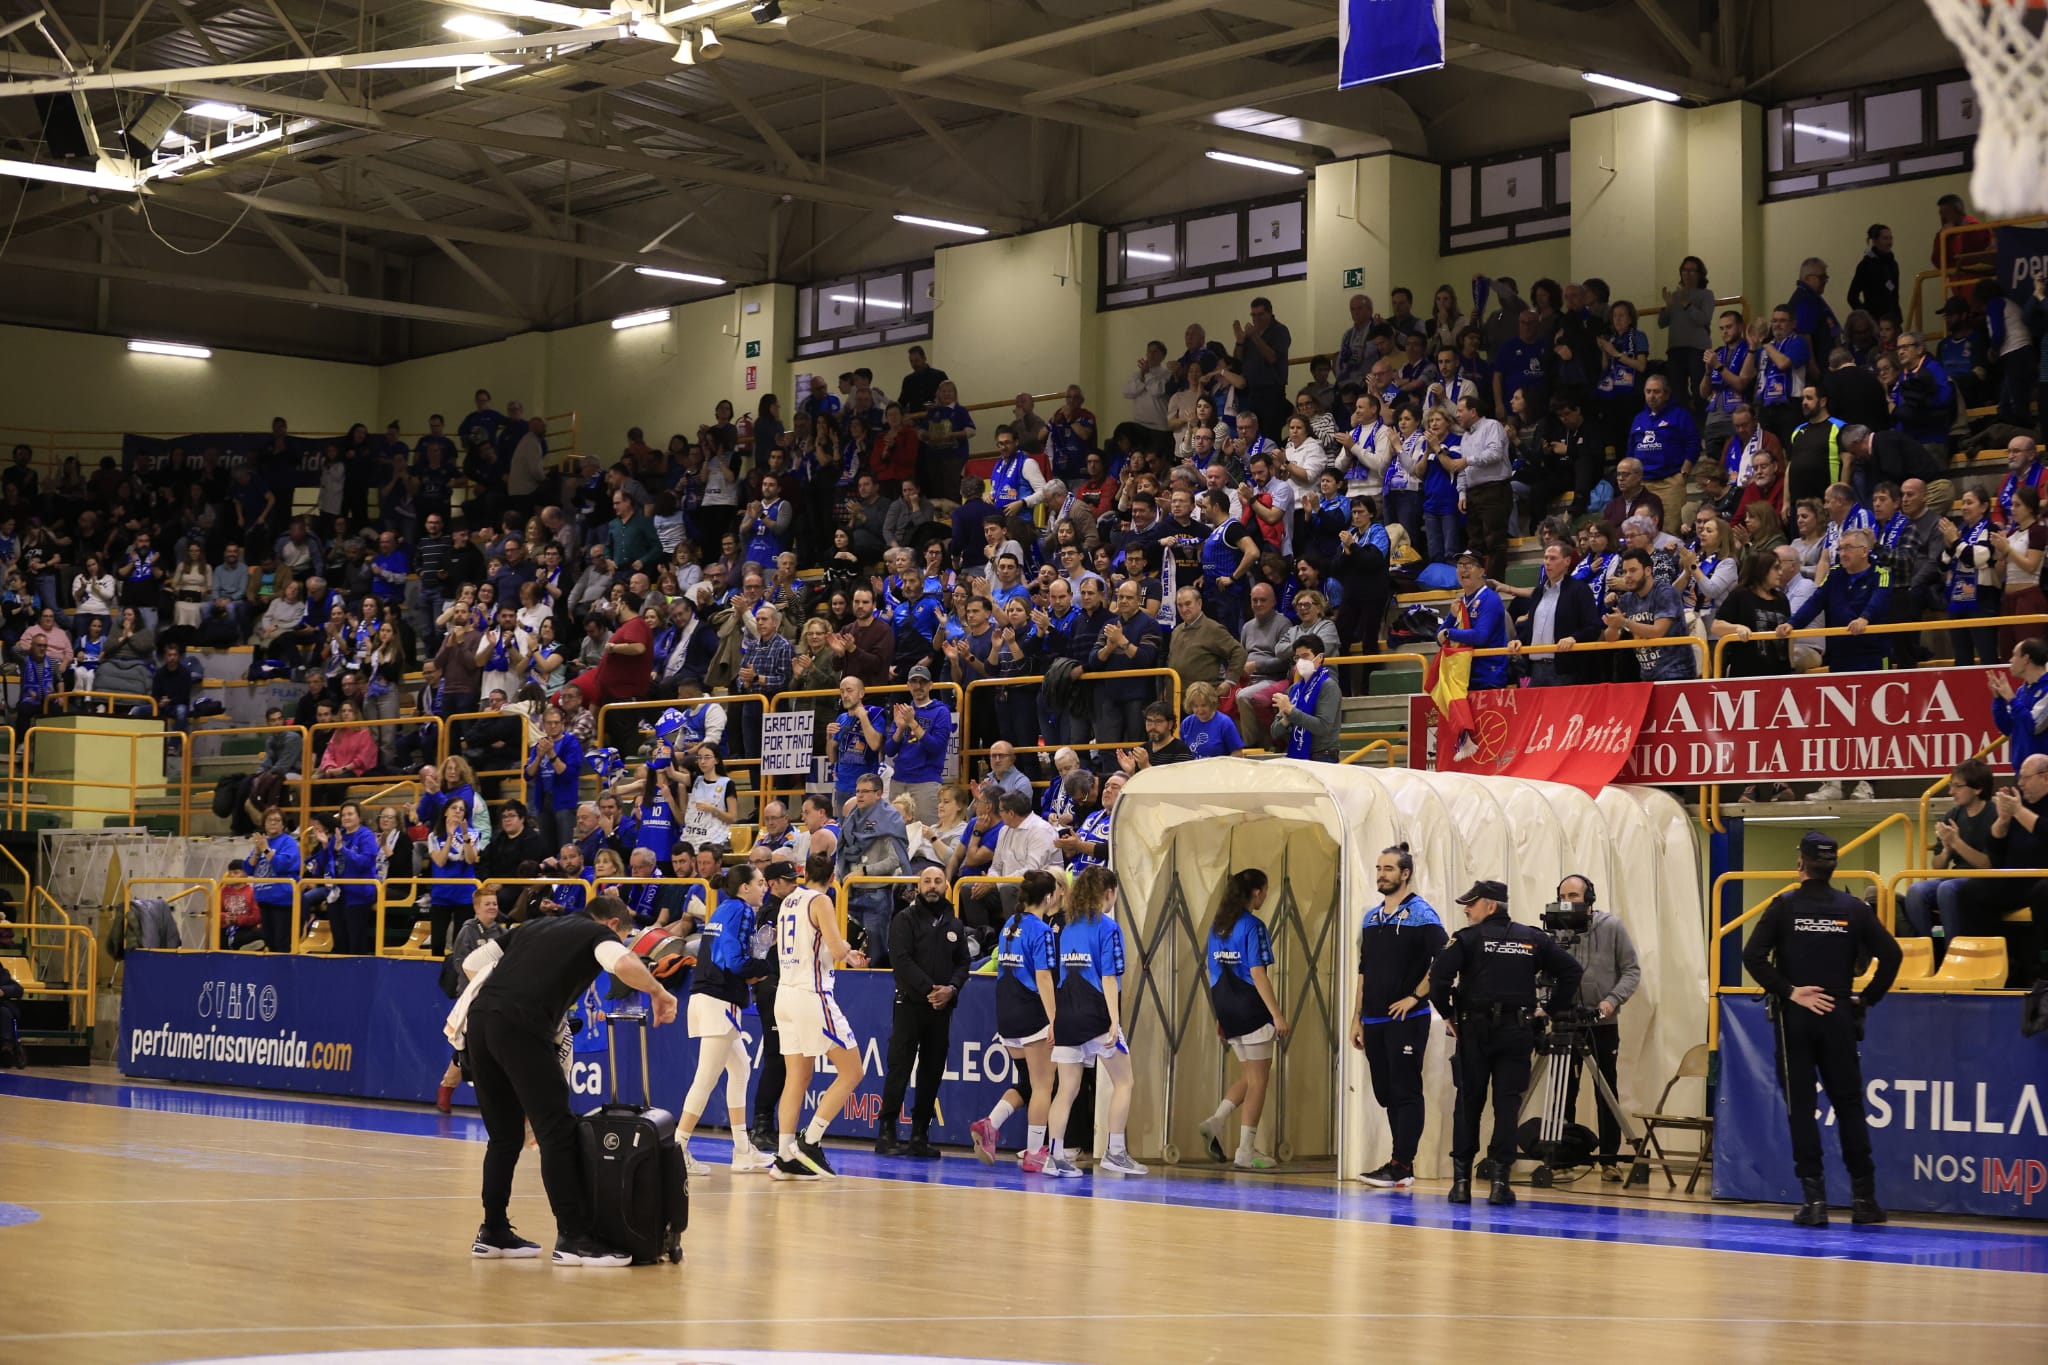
(319, 939)
(1917, 963)
(1972, 964)
(23, 971)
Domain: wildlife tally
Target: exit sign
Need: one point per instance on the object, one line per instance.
(754, 348)
(1354, 279)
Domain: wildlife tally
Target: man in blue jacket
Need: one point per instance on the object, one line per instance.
(1854, 594)
(1664, 439)
(917, 745)
(1481, 623)
(2023, 712)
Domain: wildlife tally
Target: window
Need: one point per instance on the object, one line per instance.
(1889, 132)
(874, 308)
(1520, 196)
(1204, 250)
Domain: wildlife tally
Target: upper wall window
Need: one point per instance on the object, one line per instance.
(874, 308)
(1899, 131)
(1204, 250)
(1510, 197)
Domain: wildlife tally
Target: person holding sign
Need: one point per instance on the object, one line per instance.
(713, 805)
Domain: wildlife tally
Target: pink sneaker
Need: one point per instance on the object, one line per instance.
(983, 1135)
(1034, 1162)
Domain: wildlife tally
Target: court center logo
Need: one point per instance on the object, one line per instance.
(537, 1355)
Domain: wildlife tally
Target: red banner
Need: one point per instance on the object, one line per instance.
(1580, 736)
(1804, 728)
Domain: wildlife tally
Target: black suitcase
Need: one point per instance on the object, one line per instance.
(639, 1192)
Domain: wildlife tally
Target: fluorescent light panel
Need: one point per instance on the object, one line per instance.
(67, 175)
(170, 348)
(685, 276)
(213, 109)
(477, 26)
(1824, 134)
(1254, 163)
(1631, 87)
(941, 224)
(1156, 257)
(646, 319)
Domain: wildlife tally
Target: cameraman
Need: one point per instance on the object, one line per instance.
(1604, 949)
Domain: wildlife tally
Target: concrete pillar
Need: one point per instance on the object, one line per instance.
(1379, 215)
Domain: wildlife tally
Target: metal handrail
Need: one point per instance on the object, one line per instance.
(846, 886)
(88, 962)
(1878, 628)
(1924, 874)
(1790, 882)
(810, 694)
(968, 754)
(292, 946)
(308, 781)
(527, 730)
(1708, 664)
(185, 790)
(125, 696)
(1356, 756)
(134, 783)
(80, 995)
(194, 886)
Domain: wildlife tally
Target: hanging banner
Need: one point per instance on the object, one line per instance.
(1954, 1095)
(787, 743)
(1380, 39)
(1809, 727)
(1580, 736)
(2022, 254)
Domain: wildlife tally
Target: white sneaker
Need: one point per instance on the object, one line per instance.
(1212, 1139)
(1863, 791)
(1254, 1160)
(694, 1167)
(1123, 1163)
(751, 1161)
(1826, 791)
(1062, 1166)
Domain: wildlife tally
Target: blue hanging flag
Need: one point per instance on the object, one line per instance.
(1380, 39)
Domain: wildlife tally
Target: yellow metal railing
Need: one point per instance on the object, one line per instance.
(1788, 881)
(194, 886)
(968, 753)
(305, 763)
(847, 885)
(58, 701)
(132, 785)
(1939, 874)
(527, 731)
(1358, 755)
(291, 944)
(77, 952)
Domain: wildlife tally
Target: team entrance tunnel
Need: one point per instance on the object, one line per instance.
(1316, 830)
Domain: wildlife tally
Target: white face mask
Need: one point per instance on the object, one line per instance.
(1305, 668)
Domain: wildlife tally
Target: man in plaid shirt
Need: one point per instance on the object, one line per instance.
(765, 659)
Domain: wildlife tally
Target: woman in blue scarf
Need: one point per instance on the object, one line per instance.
(1307, 715)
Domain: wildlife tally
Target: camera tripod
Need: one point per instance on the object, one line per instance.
(1565, 1048)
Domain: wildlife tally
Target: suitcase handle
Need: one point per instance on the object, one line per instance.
(611, 1052)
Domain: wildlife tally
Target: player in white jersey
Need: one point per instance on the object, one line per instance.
(810, 1021)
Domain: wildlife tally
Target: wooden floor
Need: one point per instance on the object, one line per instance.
(174, 1236)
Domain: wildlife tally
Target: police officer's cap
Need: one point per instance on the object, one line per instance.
(1485, 891)
(782, 870)
(1818, 847)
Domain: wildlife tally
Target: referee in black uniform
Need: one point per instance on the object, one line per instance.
(1804, 953)
(928, 954)
(515, 1063)
(1486, 978)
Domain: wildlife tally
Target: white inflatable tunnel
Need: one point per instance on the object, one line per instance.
(1316, 829)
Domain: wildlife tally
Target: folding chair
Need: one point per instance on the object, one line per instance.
(1651, 1151)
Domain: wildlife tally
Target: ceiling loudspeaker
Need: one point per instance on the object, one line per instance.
(57, 117)
(145, 132)
(709, 49)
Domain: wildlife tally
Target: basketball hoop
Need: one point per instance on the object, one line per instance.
(2001, 43)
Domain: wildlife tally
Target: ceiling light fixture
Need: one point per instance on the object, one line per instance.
(218, 112)
(646, 319)
(477, 26)
(1817, 131)
(1254, 163)
(655, 273)
(171, 348)
(466, 61)
(1157, 257)
(1649, 92)
(68, 175)
(941, 224)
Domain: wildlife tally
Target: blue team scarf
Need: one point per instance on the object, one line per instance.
(1304, 695)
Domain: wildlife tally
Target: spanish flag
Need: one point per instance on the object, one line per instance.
(1447, 680)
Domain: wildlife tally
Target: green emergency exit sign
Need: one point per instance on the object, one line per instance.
(754, 348)
(1354, 279)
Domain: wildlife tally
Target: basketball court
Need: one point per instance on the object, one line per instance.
(142, 1224)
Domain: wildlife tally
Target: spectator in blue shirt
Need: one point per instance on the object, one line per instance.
(1666, 442)
(2022, 713)
(1522, 362)
(918, 736)
(1812, 316)
(1854, 593)
(1481, 623)
(1783, 357)
(1644, 609)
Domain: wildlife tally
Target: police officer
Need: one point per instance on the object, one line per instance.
(1608, 954)
(1486, 978)
(1803, 952)
(1397, 941)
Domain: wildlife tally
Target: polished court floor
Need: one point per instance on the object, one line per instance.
(155, 1223)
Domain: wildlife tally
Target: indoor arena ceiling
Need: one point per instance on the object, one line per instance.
(429, 187)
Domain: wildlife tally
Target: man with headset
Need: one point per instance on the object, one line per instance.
(1608, 955)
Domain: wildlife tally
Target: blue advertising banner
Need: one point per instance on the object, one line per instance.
(371, 1027)
(1954, 1095)
(2022, 254)
(1378, 40)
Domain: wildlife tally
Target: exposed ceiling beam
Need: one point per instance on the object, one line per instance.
(784, 153)
(511, 193)
(208, 284)
(314, 274)
(948, 144)
(463, 260)
(1193, 61)
(1064, 36)
(1321, 83)
(291, 31)
(1679, 40)
(1575, 56)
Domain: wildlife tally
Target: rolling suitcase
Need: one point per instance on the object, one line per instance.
(639, 1195)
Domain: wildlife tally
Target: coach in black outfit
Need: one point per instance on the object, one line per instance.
(928, 954)
(782, 880)
(1803, 953)
(515, 1064)
(1486, 977)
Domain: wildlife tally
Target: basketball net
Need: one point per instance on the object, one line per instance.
(2001, 43)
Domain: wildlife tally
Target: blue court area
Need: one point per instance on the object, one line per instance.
(1985, 1247)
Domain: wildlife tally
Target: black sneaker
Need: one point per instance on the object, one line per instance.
(588, 1251)
(786, 1169)
(1392, 1176)
(502, 1244)
(812, 1154)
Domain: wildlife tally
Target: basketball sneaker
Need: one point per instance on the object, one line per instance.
(812, 1154)
(1254, 1160)
(1212, 1138)
(1392, 1176)
(983, 1135)
(1033, 1162)
(502, 1244)
(1123, 1163)
(1057, 1165)
(786, 1169)
(693, 1166)
(748, 1161)
(588, 1251)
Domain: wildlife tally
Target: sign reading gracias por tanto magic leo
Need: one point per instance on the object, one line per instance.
(1803, 728)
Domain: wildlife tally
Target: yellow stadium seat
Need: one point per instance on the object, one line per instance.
(319, 939)
(23, 971)
(1972, 964)
(422, 933)
(1918, 962)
